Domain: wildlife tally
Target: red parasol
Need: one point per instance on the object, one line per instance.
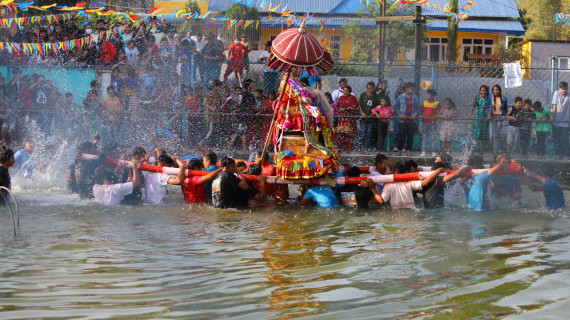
(298, 49)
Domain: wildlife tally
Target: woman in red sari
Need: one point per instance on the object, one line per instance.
(346, 127)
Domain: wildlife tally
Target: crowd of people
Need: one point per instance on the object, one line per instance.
(223, 184)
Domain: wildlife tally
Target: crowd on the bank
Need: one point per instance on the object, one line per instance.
(223, 185)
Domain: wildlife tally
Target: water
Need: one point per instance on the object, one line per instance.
(76, 259)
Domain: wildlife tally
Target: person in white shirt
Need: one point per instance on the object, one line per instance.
(156, 183)
(400, 194)
(342, 83)
(560, 117)
(111, 194)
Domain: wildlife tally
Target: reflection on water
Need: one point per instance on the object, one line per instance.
(76, 259)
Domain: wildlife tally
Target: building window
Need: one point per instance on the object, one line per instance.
(563, 63)
(335, 45)
(435, 50)
(476, 46)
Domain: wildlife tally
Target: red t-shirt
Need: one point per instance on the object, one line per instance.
(236, 52)
(193, 190)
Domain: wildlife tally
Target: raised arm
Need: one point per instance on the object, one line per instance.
(456, 174)
(181, 173)
(431, 179)
(496, 168)
(210, 176)
(136, 173)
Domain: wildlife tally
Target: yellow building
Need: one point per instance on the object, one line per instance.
(491, 23)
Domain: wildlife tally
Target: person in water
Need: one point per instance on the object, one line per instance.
(6, 161)
(135, 198)
(24, 159)
(110, 193)
(156, 183)
(434, 192)
(553, 195)
(194, 187)
(355, 195)
(401, 194)
(506, 189)
(476, 187)
(81, 173)
(231, 190)
(210, 160)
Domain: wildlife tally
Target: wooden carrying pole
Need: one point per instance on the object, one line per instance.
(272, 127)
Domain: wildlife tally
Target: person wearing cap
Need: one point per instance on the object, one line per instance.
(110, 193)
(212, 53)
(434, 191)
(407, 107)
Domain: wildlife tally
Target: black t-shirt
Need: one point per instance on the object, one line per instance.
(246, 107)
(5, 181)
(227, 194)
(434, 194)
(514, 112)
(349, 193)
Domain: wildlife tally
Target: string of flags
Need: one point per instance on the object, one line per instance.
(463, 11)
(58, 47)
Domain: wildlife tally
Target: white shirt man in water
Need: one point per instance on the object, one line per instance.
(111, 194)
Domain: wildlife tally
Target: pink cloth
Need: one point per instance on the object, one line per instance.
(383, 112)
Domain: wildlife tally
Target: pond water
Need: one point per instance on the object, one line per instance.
(76, 259)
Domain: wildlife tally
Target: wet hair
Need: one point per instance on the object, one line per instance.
(399, 168)
(563, 85)
(255, 169)
(87, 145)
(547, 170)
(432, 92)
(212, 156)
(226, 161)
(517, 99)
(108, 175)
(241, 164)
(537, 105)
(6, 155)
(166, 158)
(408, 165)
(137, 151)
(475, 161)
(195, 164)
(380, 157)
(528, 101)
(445, 162)
(353, 172)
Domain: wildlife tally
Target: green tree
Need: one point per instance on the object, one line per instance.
(452, 30)
(540, 21)
(191, 24)
(240, 12)
(399, 35)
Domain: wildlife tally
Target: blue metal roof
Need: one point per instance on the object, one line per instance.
(298, 6)
(504, 27)
(481, 8)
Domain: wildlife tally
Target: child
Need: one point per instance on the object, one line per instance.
(543, 127)
(448, 129)
(333, 105)
(383, 112)
(526, 117)
(514, 125)
(430, 109)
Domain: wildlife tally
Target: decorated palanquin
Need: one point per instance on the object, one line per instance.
(302, 127)
(303, 137)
